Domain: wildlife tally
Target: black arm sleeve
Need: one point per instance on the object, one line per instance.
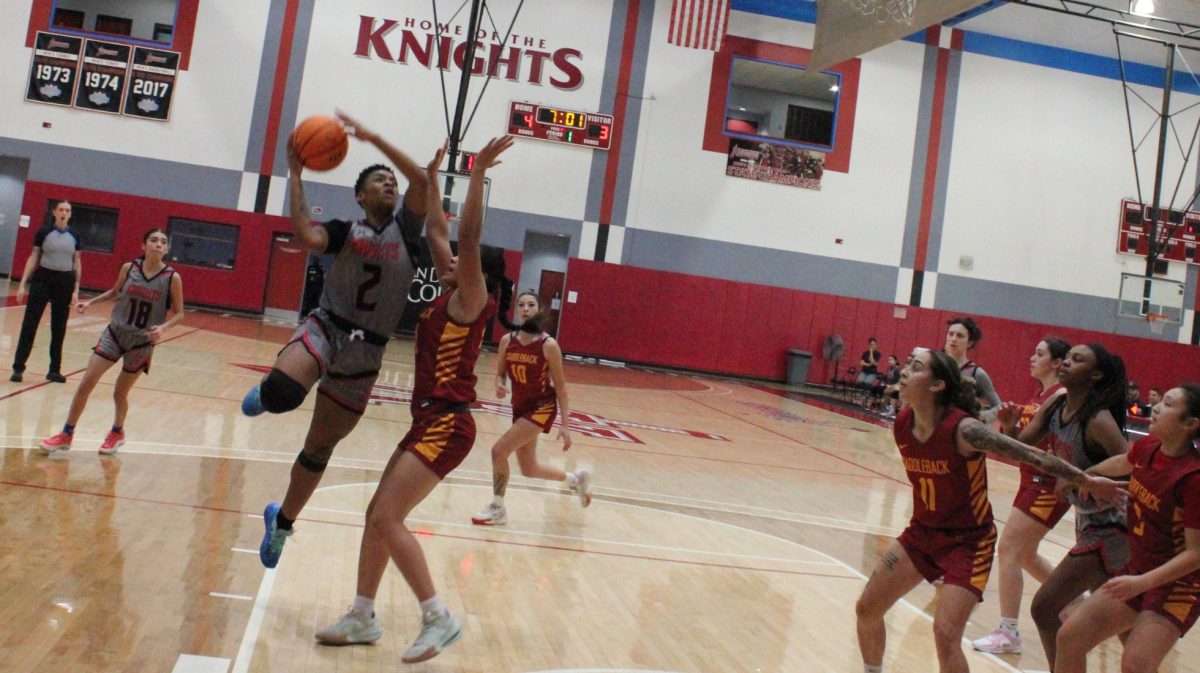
(338, 231)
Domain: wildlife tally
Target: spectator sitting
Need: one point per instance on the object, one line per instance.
(888, 379)
(1133, 400)
(868, 367)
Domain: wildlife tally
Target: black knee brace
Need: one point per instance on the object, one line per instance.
(313, 462)
(280, 392)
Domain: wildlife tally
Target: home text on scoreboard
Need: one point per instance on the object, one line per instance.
(560, 125)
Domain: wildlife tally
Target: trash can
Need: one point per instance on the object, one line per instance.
(797, 367)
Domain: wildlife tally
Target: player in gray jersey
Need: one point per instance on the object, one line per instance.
(147, 290)
(341, 343)
(1083, 427)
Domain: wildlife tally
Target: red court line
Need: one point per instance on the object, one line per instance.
(226, 510)
(70, 374)
(793, 439)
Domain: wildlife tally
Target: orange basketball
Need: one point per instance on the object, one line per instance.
(320, 142)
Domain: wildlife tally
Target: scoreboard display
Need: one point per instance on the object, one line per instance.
(560, 125)
(1182, 228)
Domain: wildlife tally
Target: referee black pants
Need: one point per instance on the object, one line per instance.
(46, 287)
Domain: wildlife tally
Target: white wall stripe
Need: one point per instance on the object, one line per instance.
(587, 240)
(616, 243)
(275, 196)
(247, 192)
(1185, 330)
(904, 280)
(928, 289)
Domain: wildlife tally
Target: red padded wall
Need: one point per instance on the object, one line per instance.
(238, 288)
(675, 320)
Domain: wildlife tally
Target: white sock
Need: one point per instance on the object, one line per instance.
(1009, 625)
(433, 605)
(572, 480)
(364, 605)
(498, 500)
(868, 668)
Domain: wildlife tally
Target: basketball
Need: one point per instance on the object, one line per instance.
(320, 142)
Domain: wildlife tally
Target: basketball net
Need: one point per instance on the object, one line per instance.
(885, 11)
(1157, 322)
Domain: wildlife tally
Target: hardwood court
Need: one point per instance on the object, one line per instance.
(730, 530)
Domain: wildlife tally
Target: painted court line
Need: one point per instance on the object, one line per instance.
(244, 551)
(236, 597)
(192, 663)
(253, 625)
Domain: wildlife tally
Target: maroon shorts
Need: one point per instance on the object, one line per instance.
(1041, 505)
(541, 412)
(961, 558)
(1178, 601)
(440, 440)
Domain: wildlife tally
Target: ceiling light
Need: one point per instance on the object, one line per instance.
(742, 109)
(1143, 7)
(834, 87)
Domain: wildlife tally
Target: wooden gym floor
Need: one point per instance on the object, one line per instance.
(731, 528)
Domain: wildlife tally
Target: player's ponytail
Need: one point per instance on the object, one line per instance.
(499, 286)
(959, 391)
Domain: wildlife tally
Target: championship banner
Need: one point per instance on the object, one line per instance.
(53, 69)
(780, 164)
(103, 76)
(152, 83)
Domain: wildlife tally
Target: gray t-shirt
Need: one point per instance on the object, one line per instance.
(58, 247)
(987, 391)
(371, 272)
(144, 301)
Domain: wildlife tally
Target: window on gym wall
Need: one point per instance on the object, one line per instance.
(776, 102)
(202, 243)
(94, 226)
(150, 21)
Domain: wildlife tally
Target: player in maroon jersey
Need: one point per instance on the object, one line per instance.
(1158, 598)
(449, 334)
(532, 361)
(1035, 509)
(951, 535)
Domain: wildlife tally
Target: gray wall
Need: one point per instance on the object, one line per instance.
(13, 171)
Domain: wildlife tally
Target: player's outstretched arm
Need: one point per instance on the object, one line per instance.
(414, 197)
(470, 298)
(437, 229)
(109, 294)
(973, 435)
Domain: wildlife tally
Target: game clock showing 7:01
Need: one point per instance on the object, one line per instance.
(541, 122)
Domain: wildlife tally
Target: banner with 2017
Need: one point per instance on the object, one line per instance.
(102, 76)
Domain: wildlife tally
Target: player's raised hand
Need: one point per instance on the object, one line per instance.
(488, 156)
(293, 158)
(435, 165)
(355, 127)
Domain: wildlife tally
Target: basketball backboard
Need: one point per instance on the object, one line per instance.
(1141, 296)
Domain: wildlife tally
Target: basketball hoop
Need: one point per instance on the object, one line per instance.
(885, 11)
(1157, 322)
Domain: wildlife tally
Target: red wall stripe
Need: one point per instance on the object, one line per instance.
(931, 156)
(620, 103)
(271, 138)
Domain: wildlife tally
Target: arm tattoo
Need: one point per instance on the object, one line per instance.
(985, 439)
(499, 484)
(890, 560)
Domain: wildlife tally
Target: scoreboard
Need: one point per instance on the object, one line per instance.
(542, 122)
(1182, 228)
